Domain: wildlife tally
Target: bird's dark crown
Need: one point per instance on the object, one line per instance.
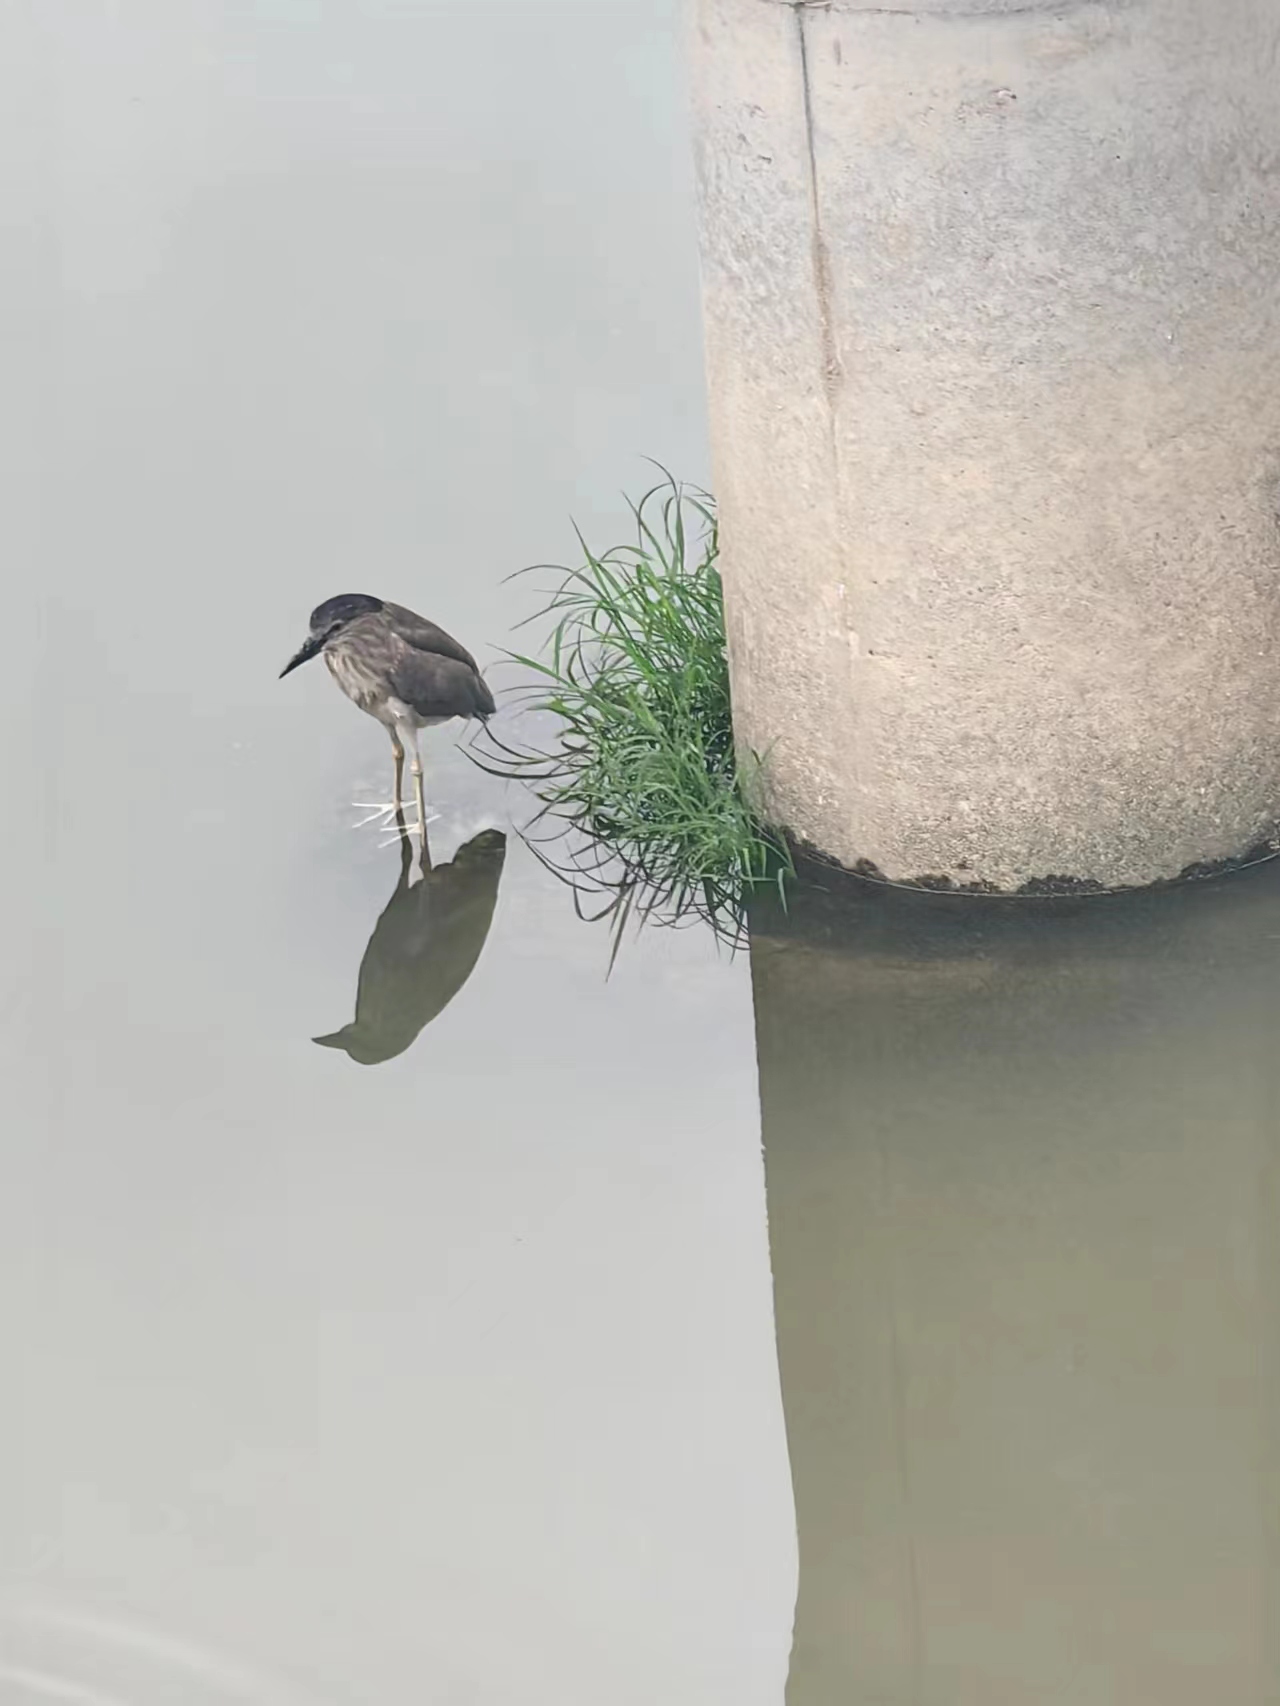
(337, 612)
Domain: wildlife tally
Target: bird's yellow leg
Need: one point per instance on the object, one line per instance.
(419, 794)
(398, 750)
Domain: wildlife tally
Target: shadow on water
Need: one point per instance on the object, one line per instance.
(1022, 1166)
(1023, 1174)
(612, 896)
(607, 889)
(423, 949)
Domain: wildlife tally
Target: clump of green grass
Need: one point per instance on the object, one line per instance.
(644, 780)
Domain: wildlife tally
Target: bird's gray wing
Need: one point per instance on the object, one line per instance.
(424, 636)
(437, 685)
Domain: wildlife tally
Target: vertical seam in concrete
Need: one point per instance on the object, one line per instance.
(821, 262)
(832, 369)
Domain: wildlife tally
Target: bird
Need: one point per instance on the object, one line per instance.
(423, 949)
(401, 669)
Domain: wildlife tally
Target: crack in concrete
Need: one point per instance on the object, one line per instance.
(831, 373)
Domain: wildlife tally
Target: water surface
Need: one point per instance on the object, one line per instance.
(448, 1377)
(1023, 1164)
(439, 1363)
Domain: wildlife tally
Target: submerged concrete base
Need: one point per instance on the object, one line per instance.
(992, 301)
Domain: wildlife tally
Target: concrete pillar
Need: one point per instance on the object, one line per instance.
(992, 299)
(1023, 1175)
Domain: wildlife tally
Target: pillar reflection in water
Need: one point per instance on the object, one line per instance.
(1022, 1180)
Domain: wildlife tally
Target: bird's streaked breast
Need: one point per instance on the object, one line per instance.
(357, 680)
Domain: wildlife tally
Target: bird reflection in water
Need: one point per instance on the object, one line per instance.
(423, 949)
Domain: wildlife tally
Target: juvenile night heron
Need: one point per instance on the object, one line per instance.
(401, 669)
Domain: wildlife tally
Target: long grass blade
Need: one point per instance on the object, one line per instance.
(641, 795)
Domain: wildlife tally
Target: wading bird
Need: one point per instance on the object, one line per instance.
(401, 669)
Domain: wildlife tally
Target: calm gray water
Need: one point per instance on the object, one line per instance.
(439, 1363)
(450, 1378)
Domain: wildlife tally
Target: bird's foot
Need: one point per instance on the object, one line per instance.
(377, 812)
(385, 817)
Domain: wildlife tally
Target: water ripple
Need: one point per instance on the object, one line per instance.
(140, 1665)
(42, 1686)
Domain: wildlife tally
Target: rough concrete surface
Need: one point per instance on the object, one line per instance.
(992, 298)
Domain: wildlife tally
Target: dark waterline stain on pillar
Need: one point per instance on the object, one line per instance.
(951, 11)
(1048, 886)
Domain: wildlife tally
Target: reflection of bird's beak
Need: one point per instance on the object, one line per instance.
(308, 650)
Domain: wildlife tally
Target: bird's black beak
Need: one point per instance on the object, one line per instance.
(309, 650)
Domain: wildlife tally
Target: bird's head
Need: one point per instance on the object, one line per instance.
(328, 620)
